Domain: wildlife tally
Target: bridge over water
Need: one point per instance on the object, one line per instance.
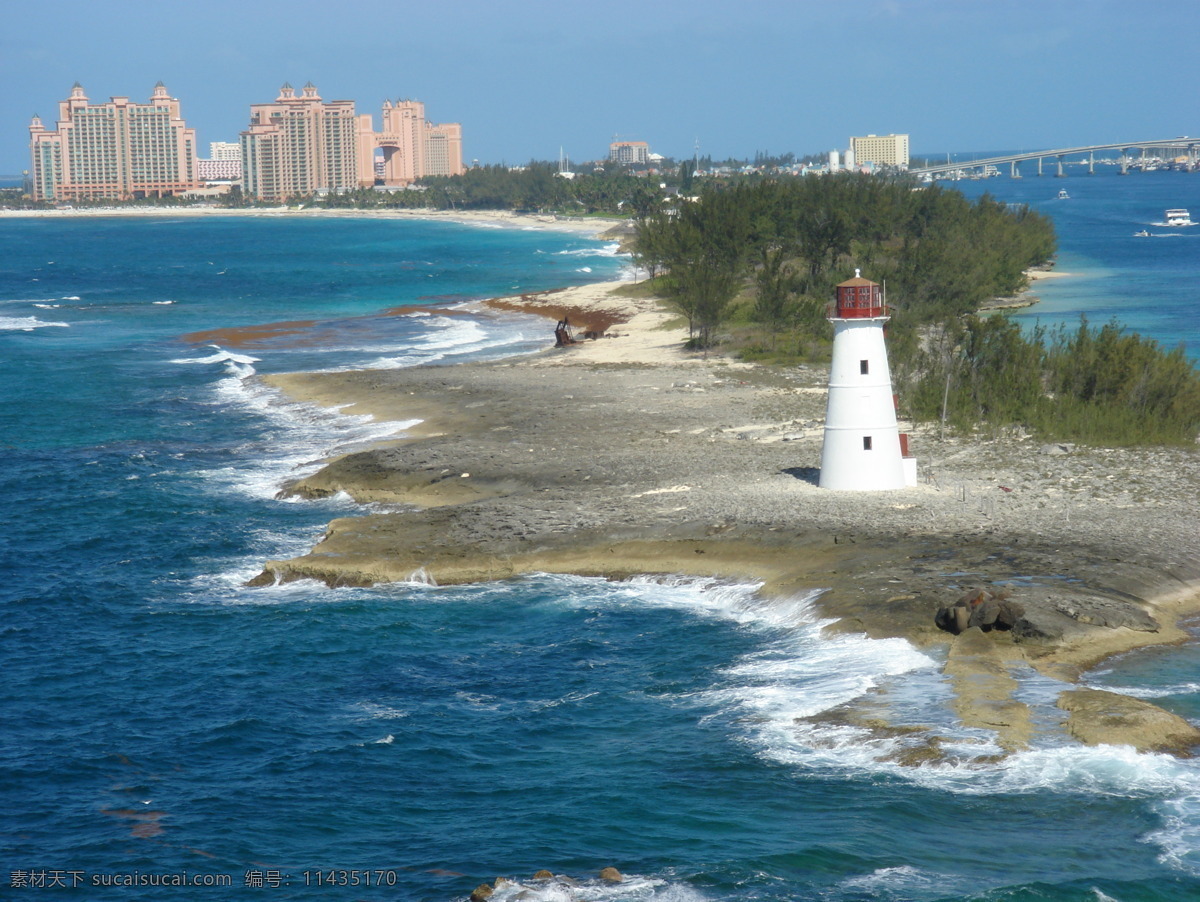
(1131, 154)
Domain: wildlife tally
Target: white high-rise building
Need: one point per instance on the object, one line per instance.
(637, 152)
(882, 150)
(225, 150)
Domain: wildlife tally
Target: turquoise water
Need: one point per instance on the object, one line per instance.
(1147, 284)
(160, 719)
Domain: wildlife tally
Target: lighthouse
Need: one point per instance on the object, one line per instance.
(863, 448)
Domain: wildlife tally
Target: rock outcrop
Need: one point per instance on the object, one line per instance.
(989, 610)
(1097, 717)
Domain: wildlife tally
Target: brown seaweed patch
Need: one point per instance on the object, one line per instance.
(583, 319)
(241, 336)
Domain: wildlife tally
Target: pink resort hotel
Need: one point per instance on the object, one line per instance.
(296, 146)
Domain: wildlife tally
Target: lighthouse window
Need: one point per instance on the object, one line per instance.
(863, 367)
(866, 443)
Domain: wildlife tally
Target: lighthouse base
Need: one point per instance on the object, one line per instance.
(875, 462)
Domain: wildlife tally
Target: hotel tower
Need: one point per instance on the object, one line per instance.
(414, 148)
(116, 150)
(302, 145)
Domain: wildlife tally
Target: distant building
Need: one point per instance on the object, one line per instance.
(301, 145)
(225, 150)
(219, 170)
(414, 148)
(225, 164)
(882, 150)
(116, 150)
(636, 152)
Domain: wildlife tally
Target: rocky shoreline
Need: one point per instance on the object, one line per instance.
(624, 455)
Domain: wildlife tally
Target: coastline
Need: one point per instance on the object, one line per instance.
(587, 225)
(614, 457)
(1027, 297)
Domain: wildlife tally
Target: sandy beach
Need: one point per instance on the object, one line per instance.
(584, 224)
(628, 455)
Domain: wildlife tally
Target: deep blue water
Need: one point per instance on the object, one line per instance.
(1147, 284)
(160, 718)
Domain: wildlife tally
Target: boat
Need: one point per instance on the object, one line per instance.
(1062, 194)
(1179, 217)
(1142, 234)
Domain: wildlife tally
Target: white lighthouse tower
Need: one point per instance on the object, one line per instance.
(863, 448)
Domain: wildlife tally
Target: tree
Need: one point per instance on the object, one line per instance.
(687, 173)
(776, 285)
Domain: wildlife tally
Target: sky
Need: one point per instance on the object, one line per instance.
(528, 77)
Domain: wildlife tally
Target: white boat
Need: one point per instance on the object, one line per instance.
(1178, 217)
(1062, 194)
(1142, 234)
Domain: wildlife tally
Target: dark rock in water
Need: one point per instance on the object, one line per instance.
(611, 875)
(481, 892)
(543, 875)
(989, 610)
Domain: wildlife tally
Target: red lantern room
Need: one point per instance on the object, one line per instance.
(859, 298)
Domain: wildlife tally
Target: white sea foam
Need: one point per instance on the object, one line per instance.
(299, 437)
(447, 338)
(1188, 688)
(799, 671)
(907, 882)
(374, 711)
(306, 435)
(632, 887)
(421, 577)
(26, 324)
(1179, 838)
(296, 440)
(225, 581)
(796, 672)
(221, 356)
(608, 250)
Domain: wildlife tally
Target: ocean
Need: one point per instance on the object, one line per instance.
(170, 733)
(1146, 283)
